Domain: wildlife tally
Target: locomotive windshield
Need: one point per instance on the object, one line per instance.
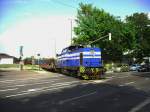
(73, 48)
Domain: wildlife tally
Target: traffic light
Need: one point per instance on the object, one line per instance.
(109, 36)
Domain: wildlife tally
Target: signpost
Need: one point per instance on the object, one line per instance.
(38, 60)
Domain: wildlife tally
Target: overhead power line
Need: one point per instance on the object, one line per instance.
(64, 4)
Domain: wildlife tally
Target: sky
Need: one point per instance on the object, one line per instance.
(44, 26)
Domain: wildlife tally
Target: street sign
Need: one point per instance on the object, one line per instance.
(38, 54)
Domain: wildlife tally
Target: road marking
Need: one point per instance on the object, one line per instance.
(123, 77)
(53, 85)
(113, 77)
(76, 98)
(9, 81)
(110, 77)
(121, 85)
(99, 81)
(8, 89)
(65, 83)
(36, 91)
(129, 83)
(30, 90)
(146, 78)
(140, 106)
(29, 84)
(20, 85)
(33, 90)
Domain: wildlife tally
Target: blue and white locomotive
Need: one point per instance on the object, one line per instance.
(86, 62)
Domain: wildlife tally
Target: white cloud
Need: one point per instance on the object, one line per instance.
(38, 35)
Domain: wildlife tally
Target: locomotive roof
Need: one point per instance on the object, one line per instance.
(74, 46)
(80, 46)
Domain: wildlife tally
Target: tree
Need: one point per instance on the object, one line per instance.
(140, 21)
(93, 23)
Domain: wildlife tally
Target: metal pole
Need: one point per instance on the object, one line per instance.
(55, 47)
(71, 30)
(38, 60)
(109, 35)
(21, 58)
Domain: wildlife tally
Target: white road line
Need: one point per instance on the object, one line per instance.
(128, 83)
(110, 77)
(29, 84)
(99, 81)
(53, 85)
(123, 76)
(140, 106)
(36, 91)
(76, 98)
(125, 84)
(115, 77)
(46, 81)
(8, 89)
(121, 85)
(9, 81)
(147, 78)
(65, 83)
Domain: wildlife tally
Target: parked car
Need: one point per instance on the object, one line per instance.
(135, 67)
(144, 68)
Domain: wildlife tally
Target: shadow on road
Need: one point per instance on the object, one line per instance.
(2, 71)
(141, 74)
(81, 98)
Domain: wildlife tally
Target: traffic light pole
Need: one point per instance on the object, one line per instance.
(109, 35)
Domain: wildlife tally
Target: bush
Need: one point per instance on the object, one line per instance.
(108, 67)
(121, 67)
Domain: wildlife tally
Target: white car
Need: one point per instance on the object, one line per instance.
(135, 67)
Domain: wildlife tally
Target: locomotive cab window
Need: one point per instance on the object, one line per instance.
(74, 48)
(64, 51)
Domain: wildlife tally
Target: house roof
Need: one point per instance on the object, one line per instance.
(3, 55)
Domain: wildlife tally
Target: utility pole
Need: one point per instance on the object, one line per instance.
(71, 30)
(55, 47)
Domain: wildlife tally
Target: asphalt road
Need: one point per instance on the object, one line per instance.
(23, 91)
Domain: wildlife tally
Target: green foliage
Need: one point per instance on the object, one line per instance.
(140, 21)
(93, 23)
(9, 66)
